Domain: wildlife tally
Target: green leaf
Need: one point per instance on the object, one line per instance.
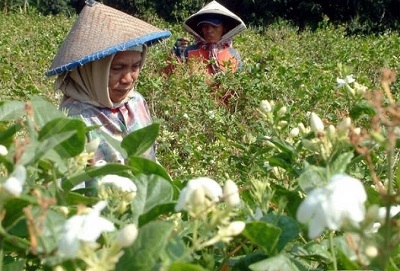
(312, 177)
(339, 165)
(292, 197)
(37, 149)
(176, 251)
(265, 235)
(277, 263)
(7, 135)
(93, 172)
(160, 209)
(72, 198)
(14, 209)
(145, 252)
(177, 266)
(11, 110)
(75, 144)
(116, 144)
(18, 265)
(140, 140)
(142, 165)
(289, 226)
(345, 254)
(53, 222)
(361, 108)
(152, 191)
(44, 111)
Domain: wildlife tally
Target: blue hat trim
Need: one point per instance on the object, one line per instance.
(146, 39)
(210, 21)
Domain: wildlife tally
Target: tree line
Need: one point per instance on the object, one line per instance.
(359, 16)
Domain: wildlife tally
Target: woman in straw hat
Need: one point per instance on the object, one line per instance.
(97, 67)
(213, 28)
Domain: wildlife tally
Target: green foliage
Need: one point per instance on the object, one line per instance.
(198, 135)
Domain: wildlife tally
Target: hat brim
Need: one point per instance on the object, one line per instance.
(101, 31)
(144, 40)
(233, 25)
(228, 22)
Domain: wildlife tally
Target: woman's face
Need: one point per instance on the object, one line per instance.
(212, 33)
(124, 72)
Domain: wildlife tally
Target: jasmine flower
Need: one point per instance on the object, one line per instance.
(85, 228)
(340, 201)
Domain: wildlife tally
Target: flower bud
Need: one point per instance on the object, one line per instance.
(64, 210)
(3, 150)
(371, 251)
(92, 145)
(357, 130)
(294, 132)
(316, 123)
(344, 125)
(378, 137)
(127, 235)
(282, 111)
(265, 106)
(231, 193)
(14, 184)
(360, 89)
(331, 130)
(302, 128)
(282, 123)
(233, 229)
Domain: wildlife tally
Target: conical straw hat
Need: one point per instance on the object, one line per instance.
(233, 24)
(101, 31)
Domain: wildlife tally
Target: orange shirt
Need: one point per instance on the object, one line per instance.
(227, 57)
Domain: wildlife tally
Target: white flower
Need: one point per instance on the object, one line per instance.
(233, 229)
(331, 130)
(15, 183)
(212, 190)
(265, 106)
(360, 89)
(357, 131)
(371, 251)
(344, 125)
(92, 145)
(3, 150)
(231, 193)
(348, 80)
(342, 200)
(302, 128)
(282, 111)
(316, 123)
(294, 132)
(282, 123)
(83, 228)
(127, 235)
(394, 210)
(123, 184)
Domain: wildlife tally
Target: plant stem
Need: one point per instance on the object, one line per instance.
(387, 230)
(194, 238)
(333, 252)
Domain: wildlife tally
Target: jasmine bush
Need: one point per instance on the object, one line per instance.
(311, 115)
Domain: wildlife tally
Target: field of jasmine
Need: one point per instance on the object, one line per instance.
(298, 171)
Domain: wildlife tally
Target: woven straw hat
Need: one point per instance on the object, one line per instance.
(214, 10)
(101, 31)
